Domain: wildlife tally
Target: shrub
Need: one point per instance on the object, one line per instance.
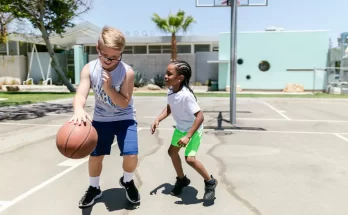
(139, 79)
(159, 80)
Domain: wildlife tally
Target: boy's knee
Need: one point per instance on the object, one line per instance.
(96, 159)
(130, 157)
(190, 160)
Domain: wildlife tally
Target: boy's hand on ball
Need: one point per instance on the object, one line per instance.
(80, 116)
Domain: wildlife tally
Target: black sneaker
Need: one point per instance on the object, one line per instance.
(132, 193)
(210, 189)
(179, 185)
(91, 194)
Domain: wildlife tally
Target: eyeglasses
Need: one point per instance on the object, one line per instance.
(109, 59)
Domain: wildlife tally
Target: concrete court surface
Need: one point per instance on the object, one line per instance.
(297, 164)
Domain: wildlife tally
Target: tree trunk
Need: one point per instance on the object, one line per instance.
(174, 51)
(3, 32)
(55, 62)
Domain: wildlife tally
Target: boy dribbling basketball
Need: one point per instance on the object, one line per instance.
(114, 114)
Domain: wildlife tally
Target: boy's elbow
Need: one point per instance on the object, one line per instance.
(124, 104)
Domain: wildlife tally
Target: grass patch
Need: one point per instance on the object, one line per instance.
(22, 98)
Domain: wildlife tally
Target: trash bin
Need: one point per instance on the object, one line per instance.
(214, 86)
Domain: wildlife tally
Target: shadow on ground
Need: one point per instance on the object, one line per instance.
(188, 195)
(114, 200)
(33, 111)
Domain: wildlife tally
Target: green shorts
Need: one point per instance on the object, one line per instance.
(192, 146)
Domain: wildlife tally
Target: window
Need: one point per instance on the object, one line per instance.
(128, 50)
(167, 49)
(23, 48)
(184, 49)
(41, 48)
(12, 48)
(264, 66)
(140, 50)
(155, 49)
(3, 49)
(202, 48)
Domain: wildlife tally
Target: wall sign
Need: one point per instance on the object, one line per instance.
(142, 33)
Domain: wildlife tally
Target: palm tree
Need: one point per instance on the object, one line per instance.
(173, 24)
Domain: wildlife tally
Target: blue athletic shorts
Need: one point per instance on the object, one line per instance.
(126, 132)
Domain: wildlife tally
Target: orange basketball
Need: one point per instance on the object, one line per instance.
(76, 141)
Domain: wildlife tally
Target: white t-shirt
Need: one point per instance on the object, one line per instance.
(183, 106)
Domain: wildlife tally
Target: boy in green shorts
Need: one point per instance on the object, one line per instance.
(189, 127)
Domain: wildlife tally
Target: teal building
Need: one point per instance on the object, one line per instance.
(269, 60)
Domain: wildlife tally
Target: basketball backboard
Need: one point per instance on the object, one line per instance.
(223, 3)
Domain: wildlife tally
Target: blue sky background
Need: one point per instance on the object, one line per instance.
(131, 16)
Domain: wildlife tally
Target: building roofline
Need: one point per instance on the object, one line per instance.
(155, 39)
(275, 31)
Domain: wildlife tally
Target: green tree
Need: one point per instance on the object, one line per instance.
(5, 20)
(173, 24)
(49, 17)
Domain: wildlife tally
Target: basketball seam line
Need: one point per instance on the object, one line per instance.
(83, 143)
(66, 143)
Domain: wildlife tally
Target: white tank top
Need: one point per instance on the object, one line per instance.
(105, 110)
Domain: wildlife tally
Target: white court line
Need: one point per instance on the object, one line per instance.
(294, 120)
(73, 162)
(60, 114)
(42, 185)
(278, 111)
(271, 119)
(234, 130)
(340, 136)
(154, 117)
(4, 203)
(28, 124)
(268, 131)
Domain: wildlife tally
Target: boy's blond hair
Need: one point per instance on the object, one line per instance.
(112, 38)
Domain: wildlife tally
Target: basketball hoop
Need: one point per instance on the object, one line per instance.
(233, 4)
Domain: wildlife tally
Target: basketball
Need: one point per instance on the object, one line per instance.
(76, 141)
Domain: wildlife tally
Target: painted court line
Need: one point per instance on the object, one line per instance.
(42, 185)
(267, 131)
(340, 136)
(294, 120)
(278, 111)
(73, 162)
(60, 114)
(154, 117)
(271, 119)
(28, 124)
(4, 203)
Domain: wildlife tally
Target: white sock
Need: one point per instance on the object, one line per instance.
(94, 181)
(127, 177)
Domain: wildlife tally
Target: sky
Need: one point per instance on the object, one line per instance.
(135, 16)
